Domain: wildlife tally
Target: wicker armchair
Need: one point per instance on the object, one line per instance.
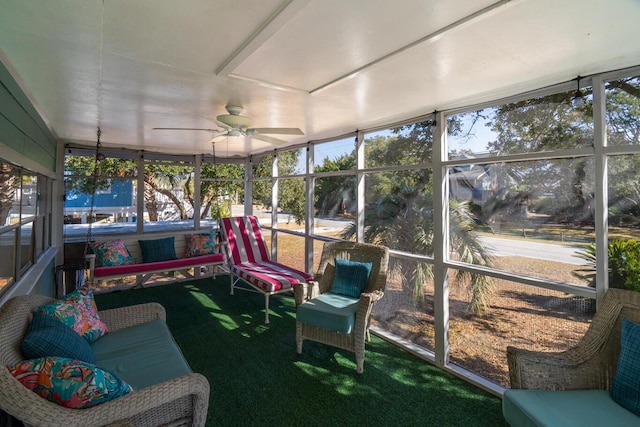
(591, 364)
(355, 340)
(181, 401)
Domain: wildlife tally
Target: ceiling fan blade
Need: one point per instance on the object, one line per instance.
(208, 130)
(278, 131)
(269, 139)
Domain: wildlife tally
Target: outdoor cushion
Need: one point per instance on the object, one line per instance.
(78, 311)
(330, 311)
(158, 249)
(158, 266)
(142, 355)
(110, 253)
(350, 277)
(199, 244)
(626, 384)
(69, 383)
(270, 276)
(48, 336)
(580, 408)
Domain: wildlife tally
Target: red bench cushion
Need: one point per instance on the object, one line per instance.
(158, 266)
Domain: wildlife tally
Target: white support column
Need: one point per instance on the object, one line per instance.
(275, 181)
(601, 188)
(440, 242)
(248, 186)
(196, 191)
(140, 194)
(57, 205)
(309, 209)
(360, 186)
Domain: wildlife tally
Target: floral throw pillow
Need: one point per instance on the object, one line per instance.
(69, 383)
(78, 311)
(199, 244)
(111, 253)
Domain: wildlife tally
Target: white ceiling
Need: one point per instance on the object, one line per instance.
(328, 67)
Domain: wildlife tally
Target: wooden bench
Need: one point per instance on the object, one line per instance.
(176, 269)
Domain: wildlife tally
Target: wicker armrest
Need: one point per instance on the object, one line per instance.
(568, 370)
(305, 291)
(300, 293)
(123, 317)
(164, 401)
(365, 305)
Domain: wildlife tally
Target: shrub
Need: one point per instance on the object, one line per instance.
(624, 264)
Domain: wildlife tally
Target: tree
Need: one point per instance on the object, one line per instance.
(291, 191)
(551, 123)
(173, 181)
(9, 182)
(403, 220)
(331, 192)
(400, 214)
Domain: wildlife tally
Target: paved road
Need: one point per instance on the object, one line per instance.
(505, 247)
(531, 249)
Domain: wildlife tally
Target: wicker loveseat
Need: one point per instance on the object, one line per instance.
(181, 400)
(573, 387)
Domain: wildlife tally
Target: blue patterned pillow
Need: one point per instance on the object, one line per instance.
(48, 336)
(158, 249)
(78, 311)
(351, 277)
(111, 253)
(199, 244)
(69, 383)
(626, 384)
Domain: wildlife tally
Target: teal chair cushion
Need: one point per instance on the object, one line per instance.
(626, 384)
(350, 277)
(330, 311)
(142, 355)
(580, 408)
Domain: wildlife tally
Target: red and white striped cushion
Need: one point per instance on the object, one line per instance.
(246, 243)
(270, 276)
(249, 257)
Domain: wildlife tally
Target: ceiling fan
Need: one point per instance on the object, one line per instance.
(234, 124)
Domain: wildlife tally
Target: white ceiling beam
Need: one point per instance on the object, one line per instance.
(287, 10)
(428, 38)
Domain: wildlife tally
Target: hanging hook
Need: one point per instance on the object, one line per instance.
(99, 155)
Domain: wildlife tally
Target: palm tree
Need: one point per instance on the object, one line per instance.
(403, 220)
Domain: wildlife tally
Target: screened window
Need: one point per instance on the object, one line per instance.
(25, 220)
(103, 194)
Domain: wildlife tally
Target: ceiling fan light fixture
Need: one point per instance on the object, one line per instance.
(578, 97)
(234, 132)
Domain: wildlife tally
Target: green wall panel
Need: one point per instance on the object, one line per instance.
(21, 128)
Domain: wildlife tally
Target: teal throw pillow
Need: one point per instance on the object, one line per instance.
(158, 249)
(48, 336)
(626, 384)
(351, 277)
(69, 383)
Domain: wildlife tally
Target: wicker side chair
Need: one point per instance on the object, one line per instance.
(374, 290)
(181, 401)
(591, 364)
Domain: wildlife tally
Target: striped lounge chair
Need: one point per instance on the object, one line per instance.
(249, 261)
